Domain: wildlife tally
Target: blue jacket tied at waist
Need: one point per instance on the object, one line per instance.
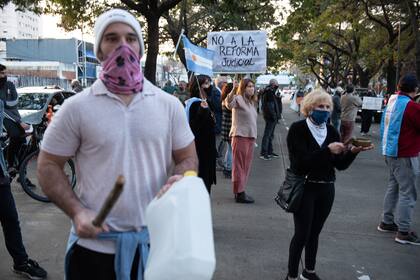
(127, 244)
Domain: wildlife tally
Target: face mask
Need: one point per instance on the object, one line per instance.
(319, 116)
(121, 71)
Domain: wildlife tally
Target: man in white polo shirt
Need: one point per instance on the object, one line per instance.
(122, 124)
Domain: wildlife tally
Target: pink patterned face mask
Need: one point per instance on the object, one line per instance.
(121, 72)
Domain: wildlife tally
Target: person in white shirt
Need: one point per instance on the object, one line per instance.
(122, 124)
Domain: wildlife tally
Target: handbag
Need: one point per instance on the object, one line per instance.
(290, 194)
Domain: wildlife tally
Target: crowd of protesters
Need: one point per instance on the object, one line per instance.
(221, 130)
(318, 145)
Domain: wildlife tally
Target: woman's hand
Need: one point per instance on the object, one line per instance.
(204, 103)
(24, 126)
(355, 149)
(336, 148)
(235, 84)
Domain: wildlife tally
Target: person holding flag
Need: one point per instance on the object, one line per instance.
(200, 114)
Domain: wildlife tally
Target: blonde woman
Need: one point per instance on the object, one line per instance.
(315, 150)
(243, 132)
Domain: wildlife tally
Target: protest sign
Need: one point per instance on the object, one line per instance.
(372, 103)
(238, 51)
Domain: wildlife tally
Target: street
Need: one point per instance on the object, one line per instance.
(252, 240)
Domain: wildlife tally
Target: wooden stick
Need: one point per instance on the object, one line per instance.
(109, 202)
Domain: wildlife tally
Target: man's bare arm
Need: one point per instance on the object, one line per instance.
(55, 183)
(56, 186)
(185, 159)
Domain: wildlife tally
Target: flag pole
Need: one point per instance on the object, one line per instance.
(179, 40)
(199, 87)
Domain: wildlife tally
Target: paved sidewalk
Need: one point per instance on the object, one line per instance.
(252, 240)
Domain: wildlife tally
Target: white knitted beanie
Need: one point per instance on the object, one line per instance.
(116, 15)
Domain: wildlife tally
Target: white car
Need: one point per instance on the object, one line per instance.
(33, 101)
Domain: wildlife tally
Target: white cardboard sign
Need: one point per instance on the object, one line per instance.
(372, 103)
(238, 51)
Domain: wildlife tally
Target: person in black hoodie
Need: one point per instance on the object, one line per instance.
(200, 112)
(367, 114)
(9, 220)
(314, 151)
(12, 120)
(271, 116)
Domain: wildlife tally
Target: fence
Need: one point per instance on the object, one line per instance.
(30, 81)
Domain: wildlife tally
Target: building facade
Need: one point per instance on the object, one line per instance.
(71, 54)
(19, 25)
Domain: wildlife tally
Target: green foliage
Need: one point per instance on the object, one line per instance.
(198, 17)
(33, 5)
(335, 39)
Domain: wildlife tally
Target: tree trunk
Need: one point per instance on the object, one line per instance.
(391, 71)
(153, 48)
(364, 76)
(415, 28)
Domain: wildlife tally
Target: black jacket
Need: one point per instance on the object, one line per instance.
(269, 104)
(9, 97)
(308, 158)
(336, 106)
(202, 123)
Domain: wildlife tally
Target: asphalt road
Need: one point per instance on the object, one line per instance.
(252, 240)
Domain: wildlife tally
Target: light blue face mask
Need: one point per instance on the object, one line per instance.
(320, 116)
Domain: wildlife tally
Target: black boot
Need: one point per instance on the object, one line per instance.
(243, 198)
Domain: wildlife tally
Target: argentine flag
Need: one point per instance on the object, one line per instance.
(199, 60)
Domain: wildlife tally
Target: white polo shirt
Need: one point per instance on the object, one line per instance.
(109, 138)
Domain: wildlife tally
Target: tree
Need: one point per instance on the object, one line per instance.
(74, 14)
(333, 39)
(198, 17)
(390, 16)
(413, 9)
(33, 5)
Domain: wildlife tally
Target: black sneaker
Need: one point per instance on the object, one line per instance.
(265, 157)
(30, 269)
(243, 198)
(273, 155)
(407, 238)
(227, 173)
(382, 227)
(309, 276)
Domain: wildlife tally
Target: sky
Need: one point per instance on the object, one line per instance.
(50, 29)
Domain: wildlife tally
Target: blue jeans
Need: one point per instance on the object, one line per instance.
(10, 223)
(401, 194)
(267, 140)
(228, 158)
(335, 122)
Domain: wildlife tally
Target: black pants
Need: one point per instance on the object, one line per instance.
(267, 140)
(85, 264)
(17, 138)
(316, 206)
(10, 223)
(366, 120)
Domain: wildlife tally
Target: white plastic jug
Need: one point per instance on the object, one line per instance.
(181, 233)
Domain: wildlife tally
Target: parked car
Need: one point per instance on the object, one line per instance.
(33, 101)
